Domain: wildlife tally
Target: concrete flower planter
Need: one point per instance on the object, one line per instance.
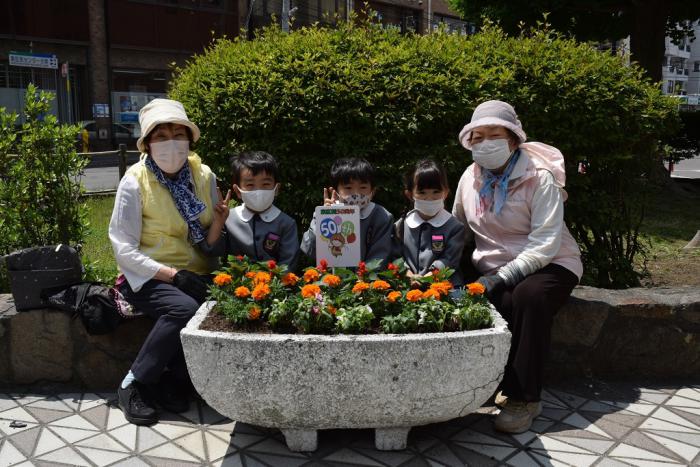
(303, 383)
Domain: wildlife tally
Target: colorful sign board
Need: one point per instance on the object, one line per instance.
(338, 235)
(32, 60)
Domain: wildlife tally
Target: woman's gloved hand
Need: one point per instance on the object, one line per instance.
(493, 283)
(191, 284)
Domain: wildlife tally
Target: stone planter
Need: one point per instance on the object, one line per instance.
(303, 383)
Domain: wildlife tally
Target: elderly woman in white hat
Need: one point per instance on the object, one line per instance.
(164, 205)
(512, 200)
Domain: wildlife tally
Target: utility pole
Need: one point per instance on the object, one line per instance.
(285, 15)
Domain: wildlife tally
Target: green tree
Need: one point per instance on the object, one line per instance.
(646, 22)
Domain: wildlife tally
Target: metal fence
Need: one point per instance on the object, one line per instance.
(120, 157)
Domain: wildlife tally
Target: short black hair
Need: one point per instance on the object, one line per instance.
(256, 162)
(426, 175)
(353, 168)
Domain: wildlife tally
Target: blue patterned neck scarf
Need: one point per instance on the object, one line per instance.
(186, 202)
(495, 187)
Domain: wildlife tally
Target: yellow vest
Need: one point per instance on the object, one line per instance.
(163, 230)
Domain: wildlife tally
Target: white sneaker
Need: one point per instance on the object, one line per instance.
(517, 416)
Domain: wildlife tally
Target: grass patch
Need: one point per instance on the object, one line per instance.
(98, 256)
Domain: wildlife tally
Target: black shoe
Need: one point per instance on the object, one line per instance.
(171, 394)
(136, 407)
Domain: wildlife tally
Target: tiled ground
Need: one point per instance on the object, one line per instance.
(583, 423)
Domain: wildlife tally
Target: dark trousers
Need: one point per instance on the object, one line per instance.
(172, 309)
(529, 308)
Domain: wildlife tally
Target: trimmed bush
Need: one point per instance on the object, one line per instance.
(317, 94)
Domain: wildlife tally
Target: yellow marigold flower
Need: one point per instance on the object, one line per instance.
(414, 295)
(262, 278)
(242, 292)
(311, 275)
(360, 287)
(380, 285)
(310, 290)
(254, 313)
(261, 291)
(250, 274)
(331, 280)
(222, 279)
(443, 287)
(475, 288)
(393, 296)
(290, 279)
(431, 293)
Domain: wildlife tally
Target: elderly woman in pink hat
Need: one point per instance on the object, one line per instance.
(512, 199)
(164, 205)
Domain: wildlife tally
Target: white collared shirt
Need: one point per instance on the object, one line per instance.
(269, 215)
(413, 219)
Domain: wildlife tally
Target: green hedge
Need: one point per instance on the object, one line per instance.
(317, 94)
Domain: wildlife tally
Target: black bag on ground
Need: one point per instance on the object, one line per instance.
(92, 303)
(33, 270)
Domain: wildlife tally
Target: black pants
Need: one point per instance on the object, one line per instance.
(529, 308)
(172, 309)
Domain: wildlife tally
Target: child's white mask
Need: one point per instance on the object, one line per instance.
(258, 200)
(356, 199)
(428, 207)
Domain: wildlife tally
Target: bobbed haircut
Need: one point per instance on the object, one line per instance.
(353, 168)
(426, 175)
(256, 162)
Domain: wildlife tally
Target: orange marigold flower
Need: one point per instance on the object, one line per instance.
(310, 290)
(262, 278)
(475, 288)
(443, 287)
(250, 274)
(414, 295)
(290, 279)
(323, 265)
(360, 287)
(311, 275)
(393, 296)
(272, 264)
(331, 280)
(261, 291)
(222, 279)
(253, 313)
(242, 292)
(331, 309)
(380, 285)
(431, 293)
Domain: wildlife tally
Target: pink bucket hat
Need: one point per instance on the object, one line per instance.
(163, 111)
(492, 113)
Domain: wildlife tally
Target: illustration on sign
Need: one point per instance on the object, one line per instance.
(338, 235)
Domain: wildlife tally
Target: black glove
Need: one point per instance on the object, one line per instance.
(493, 283)
(191, 284)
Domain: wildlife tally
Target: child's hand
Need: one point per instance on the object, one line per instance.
(221, 209)
(330, 196)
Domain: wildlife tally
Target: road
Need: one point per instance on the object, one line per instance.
(688, 168)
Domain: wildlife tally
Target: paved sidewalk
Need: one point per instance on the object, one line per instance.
(583, 423)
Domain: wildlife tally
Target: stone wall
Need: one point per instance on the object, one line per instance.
(630, 333)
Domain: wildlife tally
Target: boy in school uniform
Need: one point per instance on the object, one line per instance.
(257, 228)
(353, 184)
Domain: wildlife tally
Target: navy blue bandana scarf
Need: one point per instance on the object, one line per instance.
(495, 188)
(186, 202)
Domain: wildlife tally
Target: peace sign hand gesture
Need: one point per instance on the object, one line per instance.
(330, 196)
(221, 209)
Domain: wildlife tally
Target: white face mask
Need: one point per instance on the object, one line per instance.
(429, 207)
(170, 155)
(258, 200)
(491, 154)
(356, 199)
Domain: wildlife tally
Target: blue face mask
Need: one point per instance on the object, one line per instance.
(491, 154)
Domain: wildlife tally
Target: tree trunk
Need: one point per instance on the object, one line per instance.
(647, 37)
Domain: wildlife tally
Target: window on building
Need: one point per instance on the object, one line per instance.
(697, 66)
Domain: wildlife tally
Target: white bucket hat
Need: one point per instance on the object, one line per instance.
(493, 113)
(163, 111)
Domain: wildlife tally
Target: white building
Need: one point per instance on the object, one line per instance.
(694, 63)
(681, 66)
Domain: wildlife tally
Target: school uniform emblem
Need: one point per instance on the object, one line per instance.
(438, 243)
(271, 244)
